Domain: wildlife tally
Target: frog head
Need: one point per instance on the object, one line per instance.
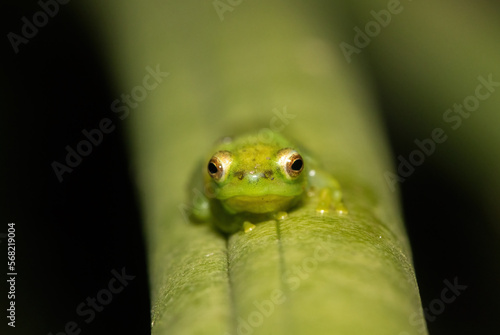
(256, 174)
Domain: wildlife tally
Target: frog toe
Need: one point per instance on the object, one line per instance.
(248, 226)
(341, 209)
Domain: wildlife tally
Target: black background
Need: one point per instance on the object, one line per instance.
(69, 235)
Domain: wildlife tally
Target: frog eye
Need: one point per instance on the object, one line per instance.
(294, 165)
(218, 166)
(291, 162)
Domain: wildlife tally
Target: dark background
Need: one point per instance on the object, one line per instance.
(70, 235)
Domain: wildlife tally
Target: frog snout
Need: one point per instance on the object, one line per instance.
(254, 176)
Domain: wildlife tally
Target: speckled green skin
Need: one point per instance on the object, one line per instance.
(256, 187)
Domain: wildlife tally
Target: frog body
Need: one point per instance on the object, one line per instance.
(254, 178)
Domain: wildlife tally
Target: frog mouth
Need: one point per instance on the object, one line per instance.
(259, 204)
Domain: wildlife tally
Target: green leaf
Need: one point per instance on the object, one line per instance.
(309, 274)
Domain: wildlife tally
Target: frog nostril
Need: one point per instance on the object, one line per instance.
(239, 174)
(267, 174)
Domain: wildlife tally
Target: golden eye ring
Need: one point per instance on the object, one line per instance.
(291, 162)
(218, 166)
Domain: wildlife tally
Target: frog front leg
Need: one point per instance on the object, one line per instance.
(228, 223)
(329, 193)
(200, 210)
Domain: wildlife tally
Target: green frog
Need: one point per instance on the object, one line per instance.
(254, 178)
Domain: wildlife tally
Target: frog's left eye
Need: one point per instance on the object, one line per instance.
(218, 166)
(291, 162)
